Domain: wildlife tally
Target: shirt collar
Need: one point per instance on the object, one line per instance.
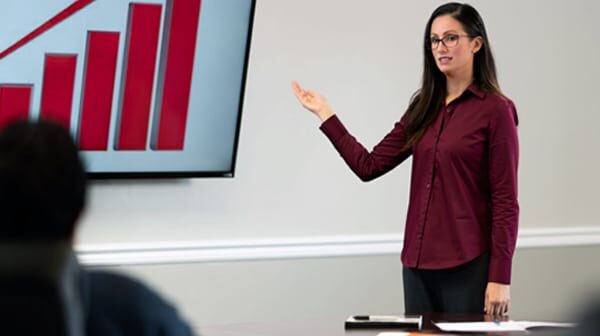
(476, 91)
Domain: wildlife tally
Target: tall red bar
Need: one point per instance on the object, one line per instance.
(177, 64)
(15, 101)
(98, 87)
(57, 87)
(140, 64)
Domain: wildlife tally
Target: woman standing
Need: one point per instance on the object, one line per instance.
(461, 226)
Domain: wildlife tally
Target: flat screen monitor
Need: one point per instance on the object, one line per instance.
(148, 88)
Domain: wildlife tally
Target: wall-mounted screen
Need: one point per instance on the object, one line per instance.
(148, 88)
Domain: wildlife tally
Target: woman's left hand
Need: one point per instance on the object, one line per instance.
(497, 299)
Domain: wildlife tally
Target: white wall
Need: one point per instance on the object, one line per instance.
(548, 284)
(365, 57)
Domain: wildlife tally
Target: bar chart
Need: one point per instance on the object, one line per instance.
(146, 87)
(159, 38)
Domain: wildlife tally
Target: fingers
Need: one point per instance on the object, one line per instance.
(491, 310)
(486, 304)
(304, 97)
(501, 309)
(497, 298)
(297, 89)
(312, 101)
(505, 308)
(496, 308)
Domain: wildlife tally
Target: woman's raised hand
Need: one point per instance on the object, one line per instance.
(313, 102)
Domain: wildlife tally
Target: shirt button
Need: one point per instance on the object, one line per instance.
(428, 185)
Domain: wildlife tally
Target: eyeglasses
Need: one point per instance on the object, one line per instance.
(449, 41)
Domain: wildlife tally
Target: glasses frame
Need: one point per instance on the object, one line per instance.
(444, 41)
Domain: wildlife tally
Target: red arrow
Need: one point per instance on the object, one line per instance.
(58, 18)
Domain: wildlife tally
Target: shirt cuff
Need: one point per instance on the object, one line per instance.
(500, 270)
(333, 128)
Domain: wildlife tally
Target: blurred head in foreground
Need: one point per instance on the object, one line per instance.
(42, 182)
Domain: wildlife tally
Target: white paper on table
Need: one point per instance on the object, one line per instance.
(479, 326)
(529, 324)
(496, 326)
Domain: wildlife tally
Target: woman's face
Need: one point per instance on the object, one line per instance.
(453, 50)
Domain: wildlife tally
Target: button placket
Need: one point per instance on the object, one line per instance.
(429, 188)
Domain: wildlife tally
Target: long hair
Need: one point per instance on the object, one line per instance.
(426, 103)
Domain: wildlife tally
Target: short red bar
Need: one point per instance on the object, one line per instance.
(15, 101)
(98, 87)
(177, 65)
(57, 88)
(140, 64)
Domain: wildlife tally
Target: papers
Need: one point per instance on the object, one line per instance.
(534, 324)
(479, 326)
(497, 326)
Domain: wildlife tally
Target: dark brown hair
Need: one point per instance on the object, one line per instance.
(426, 103)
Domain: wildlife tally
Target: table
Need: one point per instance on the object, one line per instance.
(334, 326)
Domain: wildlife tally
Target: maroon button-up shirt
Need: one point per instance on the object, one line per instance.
(463, 195)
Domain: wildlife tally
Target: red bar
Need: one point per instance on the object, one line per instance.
(177, 65)
(57, 88)
(140, 64)
(98, 87)
(15, 101)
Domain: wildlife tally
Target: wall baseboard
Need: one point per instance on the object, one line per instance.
(300, 248)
